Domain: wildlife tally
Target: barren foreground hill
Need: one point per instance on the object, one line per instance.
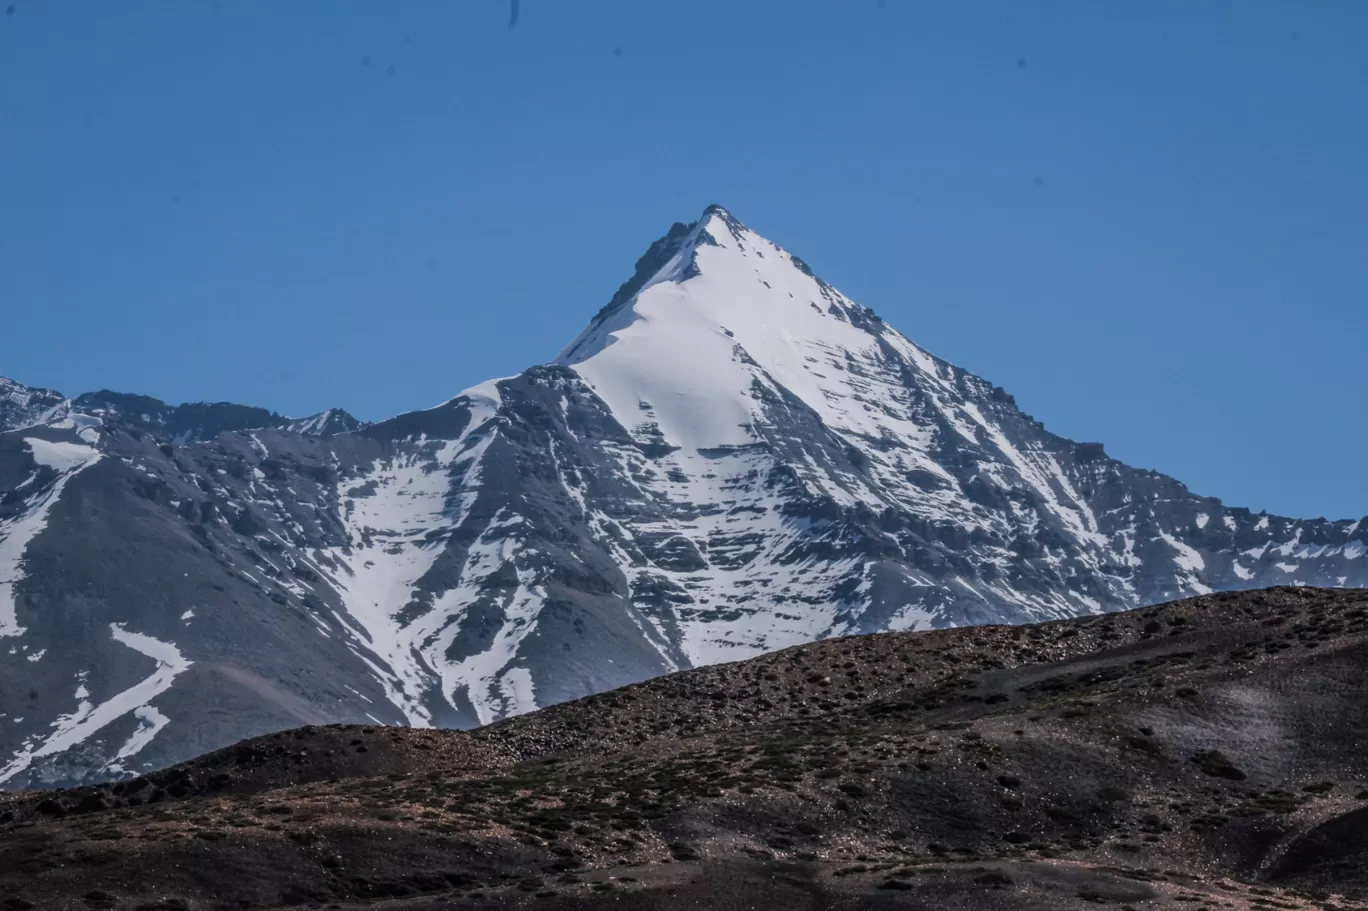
(1206, 753)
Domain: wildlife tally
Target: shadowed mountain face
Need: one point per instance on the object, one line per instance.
(732, 458)
(1205, 753)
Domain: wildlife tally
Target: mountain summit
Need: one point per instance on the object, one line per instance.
(733, 457)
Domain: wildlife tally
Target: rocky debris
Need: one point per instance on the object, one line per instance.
(1045, 766)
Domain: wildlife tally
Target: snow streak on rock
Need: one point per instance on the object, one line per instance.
(66, 460)
(88, 717)
(398, 515)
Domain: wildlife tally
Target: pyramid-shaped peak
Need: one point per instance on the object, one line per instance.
(739, 269)
(716, 218)
(723, 213)
(326, 423)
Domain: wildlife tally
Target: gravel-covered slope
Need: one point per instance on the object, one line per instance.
(1201, 753)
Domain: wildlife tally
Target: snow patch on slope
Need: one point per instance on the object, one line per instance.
(88, 718)
(485, 675)
(398, 516)
(150, 723)
(68, 459)
(1190, 562)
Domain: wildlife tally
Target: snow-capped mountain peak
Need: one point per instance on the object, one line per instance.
(728, 323)
(725, 318)
(732, 457)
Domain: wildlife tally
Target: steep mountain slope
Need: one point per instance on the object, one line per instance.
(22, 406)
(1200, 754)
(732, 458)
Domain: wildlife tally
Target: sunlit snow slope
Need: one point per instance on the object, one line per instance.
(732, 457)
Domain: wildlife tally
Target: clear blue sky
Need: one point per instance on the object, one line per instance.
(1148, 220)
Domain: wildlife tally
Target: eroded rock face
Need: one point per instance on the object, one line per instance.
(732, 458)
